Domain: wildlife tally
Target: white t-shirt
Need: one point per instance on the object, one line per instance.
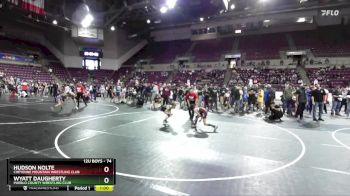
(67, 90)
(102, 89)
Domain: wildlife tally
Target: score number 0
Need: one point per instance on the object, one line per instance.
(106, 179)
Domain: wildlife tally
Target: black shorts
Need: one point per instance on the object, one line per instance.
(191, 104)
(163, 108)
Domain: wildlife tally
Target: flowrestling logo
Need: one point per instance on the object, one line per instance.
(330, 12)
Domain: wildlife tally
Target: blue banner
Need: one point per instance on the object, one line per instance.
(13, 57)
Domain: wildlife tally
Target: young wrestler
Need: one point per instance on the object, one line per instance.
(276, 112)
(68, 93)
(167, 110)
(60, 100)
(157, 102)
(202, 113)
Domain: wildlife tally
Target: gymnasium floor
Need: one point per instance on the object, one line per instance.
(246, 157)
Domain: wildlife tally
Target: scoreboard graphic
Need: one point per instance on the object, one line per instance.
(90, 174)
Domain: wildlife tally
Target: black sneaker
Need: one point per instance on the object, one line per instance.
(320, 119)
(315, 119)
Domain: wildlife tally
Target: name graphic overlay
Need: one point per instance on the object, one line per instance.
(91, 174)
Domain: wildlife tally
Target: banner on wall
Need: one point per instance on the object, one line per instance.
(13, 57)
(329, 17)
(36, 6)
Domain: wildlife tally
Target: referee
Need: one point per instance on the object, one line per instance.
(191, 100)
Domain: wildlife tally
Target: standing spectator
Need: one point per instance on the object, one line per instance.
(166, 94)
(269, 96)
(309, 102)
(55, 91)
(317, 99)
(103, 91)
(344, 93)
(181, 96)
(326, 99)
(214, 98)
(206, 98)
(301, 99)
(348, 101)
(336, 101)
(235, 97)
(80, 91)
(94, 91)
(91, 93)
(222, 95)
(148, 93)
(260, 98)
(288, 99)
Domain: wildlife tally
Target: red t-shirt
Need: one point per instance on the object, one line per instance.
(191, 96)
(80, 88)
(166, 92)
(24, 86)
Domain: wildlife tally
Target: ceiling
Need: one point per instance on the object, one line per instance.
(133, 14)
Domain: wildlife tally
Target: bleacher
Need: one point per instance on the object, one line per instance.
(79, 74)
(211, 50)
(59, 71)
(330, 77)
(263, 47)
(101, 76)
(322, 44)
(26, 73)
(276, 77)
(21, 47)
(161, 52)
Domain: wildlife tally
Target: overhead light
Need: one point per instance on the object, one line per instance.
(201, 19)
(238, 31)
(226, 3)
(171, 3)
(112, 28)
(262, 1)
(86, 22)
(266, 21)
(301, 19)
(54, 22)
(163, 10)
(133, 35)
(232, 6)
(208, 28)
(148, 21)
